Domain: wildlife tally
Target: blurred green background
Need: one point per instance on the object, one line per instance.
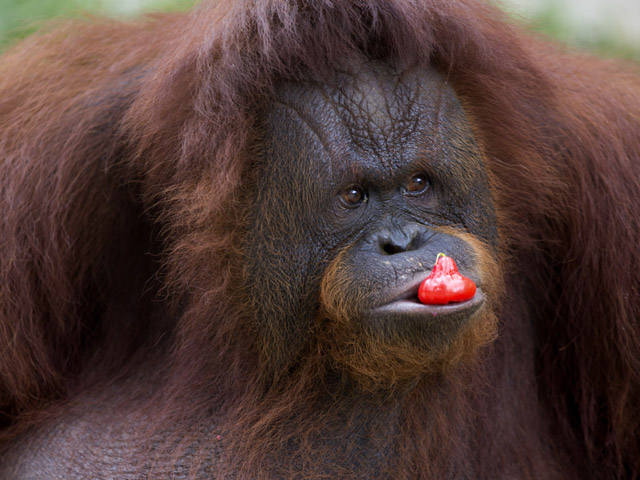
(609, 27)
(19, 18)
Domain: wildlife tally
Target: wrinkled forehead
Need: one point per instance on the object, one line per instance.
(375, 110)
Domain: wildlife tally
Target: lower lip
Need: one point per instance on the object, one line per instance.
(414, 308)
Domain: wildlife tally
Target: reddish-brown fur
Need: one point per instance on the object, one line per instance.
(118, 140)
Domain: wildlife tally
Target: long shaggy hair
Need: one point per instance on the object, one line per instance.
(123, 151)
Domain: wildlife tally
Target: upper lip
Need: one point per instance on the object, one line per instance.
(407, 291)
(410, 289)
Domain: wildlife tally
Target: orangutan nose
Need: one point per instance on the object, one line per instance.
(407, 238)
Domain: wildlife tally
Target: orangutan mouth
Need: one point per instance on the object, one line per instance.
(406, 304)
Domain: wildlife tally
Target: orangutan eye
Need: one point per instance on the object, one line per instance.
(353, 196)
(417, 184)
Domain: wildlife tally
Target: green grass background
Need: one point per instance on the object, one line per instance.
(19, 18)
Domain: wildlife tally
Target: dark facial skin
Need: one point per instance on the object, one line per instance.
(377, 168)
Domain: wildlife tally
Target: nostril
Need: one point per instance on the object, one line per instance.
(391, 249)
